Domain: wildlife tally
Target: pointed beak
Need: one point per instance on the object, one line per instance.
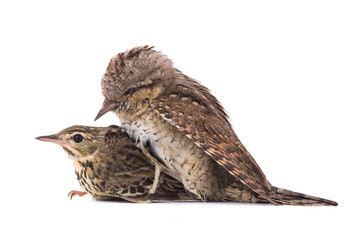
(107, 106)
(53, 139)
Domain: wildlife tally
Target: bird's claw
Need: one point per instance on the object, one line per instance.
(73, 193)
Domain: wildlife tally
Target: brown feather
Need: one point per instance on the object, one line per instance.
(184, 125)
(192, 109)
(130, 175)
(109, 166)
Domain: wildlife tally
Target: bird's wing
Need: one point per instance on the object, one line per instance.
(170, 190)
(198, 114)
(133, 174)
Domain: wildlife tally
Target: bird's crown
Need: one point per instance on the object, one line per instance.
(131, 68)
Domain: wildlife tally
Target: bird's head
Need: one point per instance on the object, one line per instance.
(78, 141)
(134, 77)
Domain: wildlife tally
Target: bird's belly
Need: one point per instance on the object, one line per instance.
(179, 153)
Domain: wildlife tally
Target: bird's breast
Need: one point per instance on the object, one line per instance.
(89, 178)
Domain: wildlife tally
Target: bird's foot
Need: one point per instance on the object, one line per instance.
(156, 182)
(73, 193)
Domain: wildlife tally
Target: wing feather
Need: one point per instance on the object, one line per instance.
(192, 109)
(134, 173)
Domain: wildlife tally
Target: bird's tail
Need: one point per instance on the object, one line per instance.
(239, 193)
(287, 197)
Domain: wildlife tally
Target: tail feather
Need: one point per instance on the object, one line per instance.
(287, 197)
(237, 192)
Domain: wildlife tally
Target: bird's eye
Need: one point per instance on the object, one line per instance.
(78, 138)
(129, 91)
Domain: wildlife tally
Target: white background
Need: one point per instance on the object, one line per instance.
(287, 72)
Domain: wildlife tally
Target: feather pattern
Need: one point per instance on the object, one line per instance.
(185, 126)
(191, 108)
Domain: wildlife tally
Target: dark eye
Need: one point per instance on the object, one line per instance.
(129, 91)
(78, 138)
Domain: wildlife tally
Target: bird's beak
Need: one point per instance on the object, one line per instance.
(53, 139)
(107, 106)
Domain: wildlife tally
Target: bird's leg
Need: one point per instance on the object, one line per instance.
(73, 193)
(156, 179)
(158, 167)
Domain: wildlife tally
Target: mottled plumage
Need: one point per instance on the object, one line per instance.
(109, 166)
(184, 126)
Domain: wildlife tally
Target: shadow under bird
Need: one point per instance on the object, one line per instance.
(180, 123)
(109, 166)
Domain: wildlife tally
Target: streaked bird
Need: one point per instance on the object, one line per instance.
(109, 166)
(180, 123)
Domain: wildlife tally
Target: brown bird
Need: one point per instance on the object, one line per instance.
(109, 166)
(185, 127)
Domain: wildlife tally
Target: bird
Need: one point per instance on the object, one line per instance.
(109, 166)
(179, 122)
